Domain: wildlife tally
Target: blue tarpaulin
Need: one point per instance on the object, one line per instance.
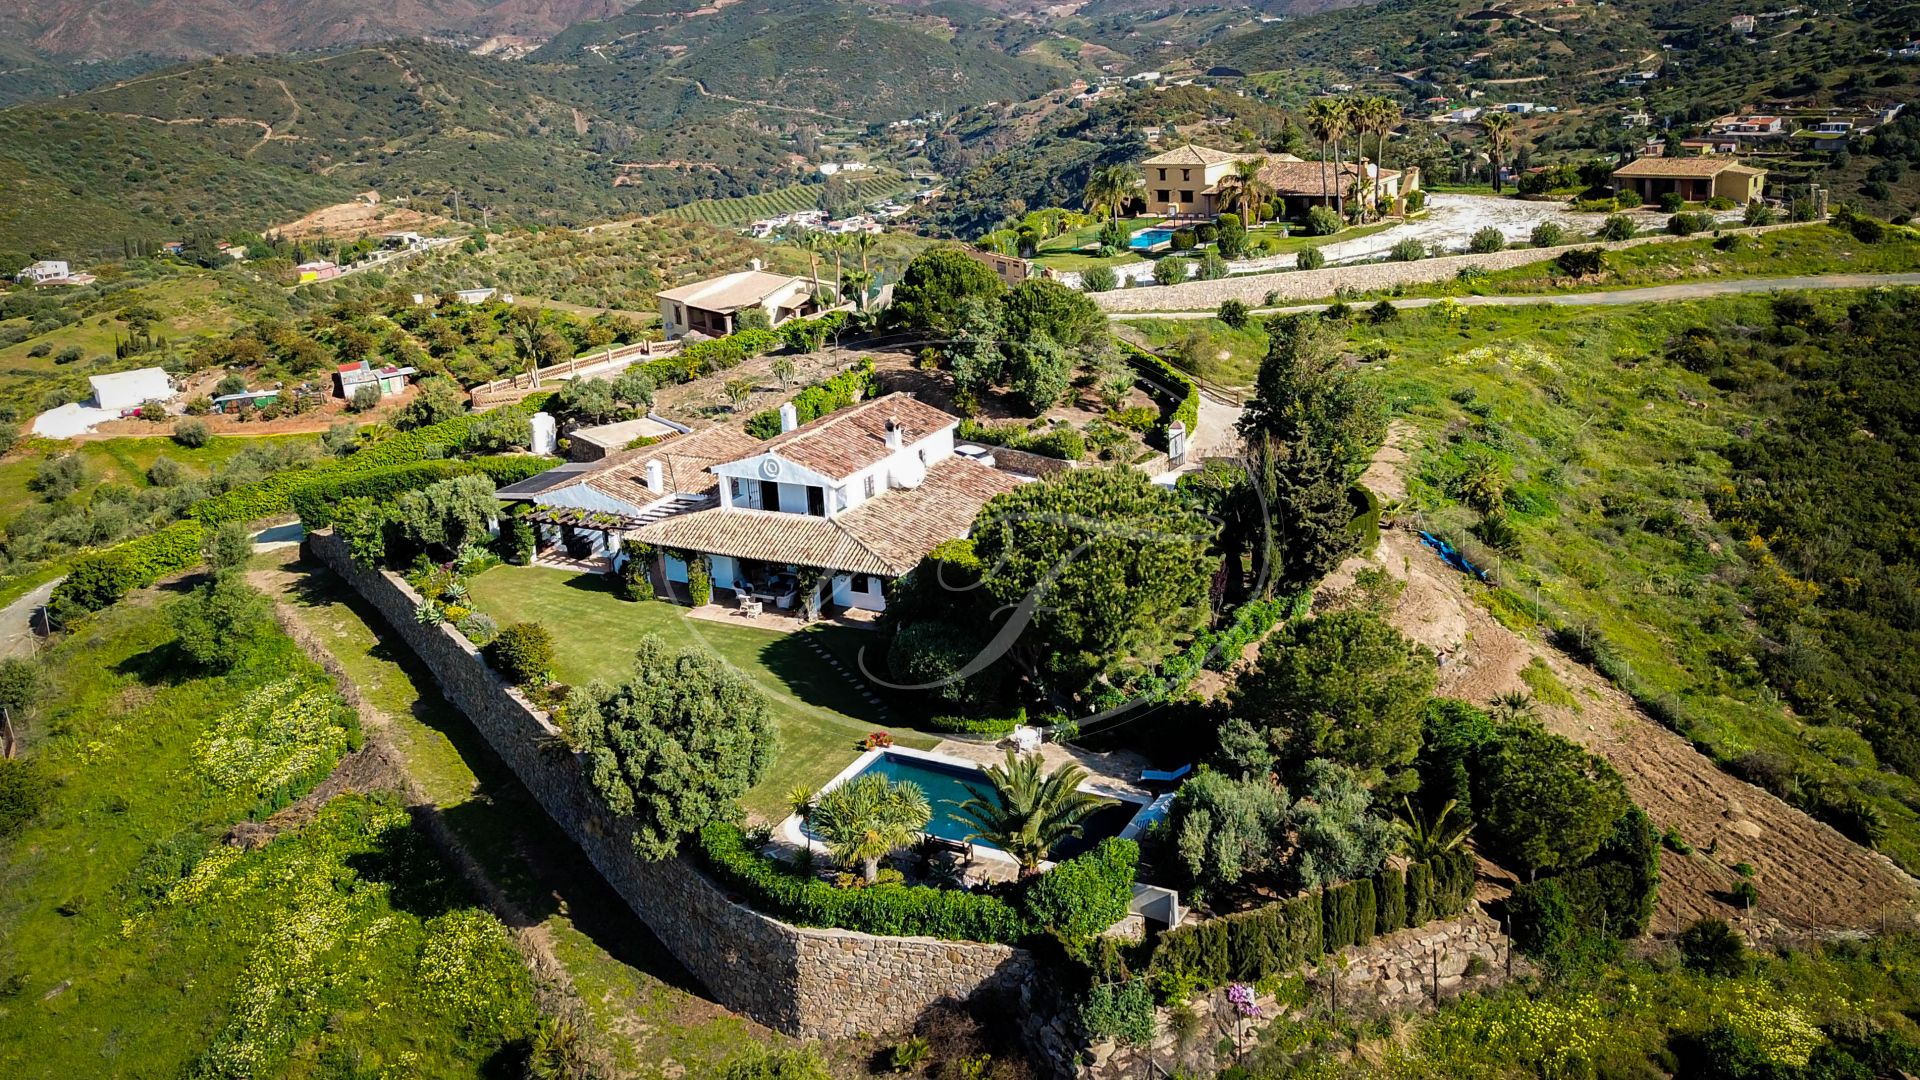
(1453, 558)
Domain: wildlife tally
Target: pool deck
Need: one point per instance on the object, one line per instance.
(1115, 774)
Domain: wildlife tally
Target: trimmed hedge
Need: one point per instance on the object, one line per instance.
(1251, 945)
(974, 725)
(1082, 896)
(895, 910)
(1161, 373)
(274, 495)
(816, 401)
(95, 579)
(317, 498)
(98, 578)
(1061, 442)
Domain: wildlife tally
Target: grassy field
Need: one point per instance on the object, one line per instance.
(1811, 249)
(821, 716)
(122, 461)
(1609, 451)
(1062, 252)
(642, 1008)
(1207, 347)
(139, 944)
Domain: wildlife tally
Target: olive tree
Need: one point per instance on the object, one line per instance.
(675, 744)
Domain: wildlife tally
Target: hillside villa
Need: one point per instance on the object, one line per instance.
(712, 307)
(1186, 182)
(51, 272)
(825, 513)
(1696, 179)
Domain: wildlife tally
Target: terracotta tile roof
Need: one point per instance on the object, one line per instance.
(1679, 167)
(842, 443)
(1192, 155)
(684, 461)
(887, 535)
(1303, 177)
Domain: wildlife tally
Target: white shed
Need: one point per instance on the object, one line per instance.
(130, 389)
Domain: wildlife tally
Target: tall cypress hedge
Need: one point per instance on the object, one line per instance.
(1279, 937)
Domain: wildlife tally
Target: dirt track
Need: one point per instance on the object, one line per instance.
(1809, 876)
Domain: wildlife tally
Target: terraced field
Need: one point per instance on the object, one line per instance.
(784, 200)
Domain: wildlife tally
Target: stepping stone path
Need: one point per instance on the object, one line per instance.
(859, 684)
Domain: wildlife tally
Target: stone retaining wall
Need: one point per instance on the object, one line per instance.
(1409, 969)
(806, 982)
(1319, 284)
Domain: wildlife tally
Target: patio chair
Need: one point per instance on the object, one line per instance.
(752, 608)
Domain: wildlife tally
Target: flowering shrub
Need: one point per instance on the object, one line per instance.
(877, 740)
(471, 973)
(281, 740)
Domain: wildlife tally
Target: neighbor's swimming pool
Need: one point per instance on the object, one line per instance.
(1148, 239)
(944, 780)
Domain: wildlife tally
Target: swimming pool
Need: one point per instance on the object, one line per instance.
(944, 780)
(1148, 239)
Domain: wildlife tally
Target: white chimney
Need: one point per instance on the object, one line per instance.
(895, 437)
(656, 478)
(754, 264)
(789, 417)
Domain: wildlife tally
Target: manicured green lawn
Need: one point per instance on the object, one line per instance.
(1299, 241)
(821, 714)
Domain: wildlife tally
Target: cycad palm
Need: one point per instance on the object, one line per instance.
(866, 818)
(1428, 837)
(1025, 811)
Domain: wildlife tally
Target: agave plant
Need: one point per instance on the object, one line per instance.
(1428, 837)
(1025, 811)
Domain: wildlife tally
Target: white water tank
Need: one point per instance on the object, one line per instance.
(544, 432)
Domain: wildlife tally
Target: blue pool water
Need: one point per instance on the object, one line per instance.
(1148, 239)
(945, 788)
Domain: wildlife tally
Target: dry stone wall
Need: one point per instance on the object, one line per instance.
(806, 982)
(1410, 969)
(1300, 285)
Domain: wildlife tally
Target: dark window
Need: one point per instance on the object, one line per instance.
(1164, 195)
(1163, 176)
(869, 485)
(1186, 196)
(817, 501)
(769, 495)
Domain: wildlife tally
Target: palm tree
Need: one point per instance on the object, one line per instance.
(1109, 189)
(1426, 837)
(800, 797)
(813, 242)
(1342, 125)
(1323, 117)
(838, 244)
(1024, 811)
(1244, 188)
(1499, 128)
(867, 817)
(864, 243)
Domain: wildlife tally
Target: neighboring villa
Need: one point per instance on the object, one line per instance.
(318, 270)
(1186, 182)
(1697, 179)
(712, 307)
(841, 505)
(51, 272)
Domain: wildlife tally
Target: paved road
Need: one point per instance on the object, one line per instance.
(1653, 294)
(16, 626)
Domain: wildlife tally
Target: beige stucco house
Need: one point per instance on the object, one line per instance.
(1696, 179)
(712, 307)
(1187, 182)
